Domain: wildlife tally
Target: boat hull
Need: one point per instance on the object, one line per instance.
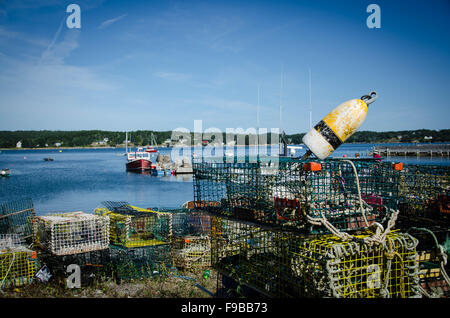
(139, 165)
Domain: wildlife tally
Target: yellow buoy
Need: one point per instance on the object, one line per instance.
(335, 128)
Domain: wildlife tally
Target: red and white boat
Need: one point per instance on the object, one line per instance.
(150, 149)
(139, 160)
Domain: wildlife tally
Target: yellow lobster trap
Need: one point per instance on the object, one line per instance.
(132, 226)
(286, 264)
(17, 263)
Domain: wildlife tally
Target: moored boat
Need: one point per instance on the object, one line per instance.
(5, 172)
(138, 160)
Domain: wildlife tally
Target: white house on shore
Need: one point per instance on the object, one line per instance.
(19, 144)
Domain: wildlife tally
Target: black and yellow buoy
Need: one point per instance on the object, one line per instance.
(335, 128)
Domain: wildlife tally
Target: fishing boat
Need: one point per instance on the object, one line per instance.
(5, 172)
(152, 147)
(138, 160)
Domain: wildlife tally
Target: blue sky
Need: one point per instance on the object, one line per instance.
(159, 65)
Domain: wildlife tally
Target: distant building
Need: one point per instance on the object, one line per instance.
(58, 144)
(19, 144)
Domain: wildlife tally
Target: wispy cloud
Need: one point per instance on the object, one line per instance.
(107, 23)
(172, 76)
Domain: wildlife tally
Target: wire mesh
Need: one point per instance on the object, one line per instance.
(192, 251)
(140, 262)
(286, 264)
(425, 192)
(16, 217)
(17, 266)
(287, 193)
(131, 226)
(433, 249)
(93, 265)
(72, 233)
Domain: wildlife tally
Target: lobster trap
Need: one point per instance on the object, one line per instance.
(17, 263)
(93, 265)
(425, 192)
(71, 233)
(190, 244)
(301, 195)
(433, 250)
(139, 262)
(16, 217)
(287, 264)
(133, 227)
(192, 251)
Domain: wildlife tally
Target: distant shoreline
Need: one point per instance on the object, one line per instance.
(162, 146)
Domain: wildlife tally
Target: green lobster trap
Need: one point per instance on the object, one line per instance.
(139, 262)
(16, 218)
(286, 264)
(433, 250)
(17, 263)
(71, 233)
(425, 192)
(310, 196)
(131, 226)
(191, 241)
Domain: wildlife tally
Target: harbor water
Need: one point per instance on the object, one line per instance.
(80, 179)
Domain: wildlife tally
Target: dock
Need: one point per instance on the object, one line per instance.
(418, 150)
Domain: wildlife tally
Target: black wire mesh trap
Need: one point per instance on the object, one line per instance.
(433, 250)
(425, 192)
(346, 194)
(16, 217)
(140, 262)
(286, 264)
(93, 265)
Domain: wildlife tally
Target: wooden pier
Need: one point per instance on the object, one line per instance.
(418, 150)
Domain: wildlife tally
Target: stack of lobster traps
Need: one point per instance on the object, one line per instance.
(71, 238)
(191, 241)
(139, 239)
(425, 213)
(17, 261)
(284, 227)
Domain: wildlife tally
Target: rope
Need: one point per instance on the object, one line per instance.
(442, 254)
(363, 212)
(10, 265)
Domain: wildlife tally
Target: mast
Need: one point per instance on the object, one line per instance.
(310, 104)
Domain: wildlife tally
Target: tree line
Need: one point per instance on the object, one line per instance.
(87, 138)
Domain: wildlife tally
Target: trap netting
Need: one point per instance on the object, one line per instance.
(286, 264)
(16, 217)
(139, 262)
(131, 226)
(191, 241)
(17, 263)
(425, 192)
(433, 250)
(93, 265)
(312, 196)
(72, 232)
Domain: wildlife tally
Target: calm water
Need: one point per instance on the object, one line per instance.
(80, 179)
